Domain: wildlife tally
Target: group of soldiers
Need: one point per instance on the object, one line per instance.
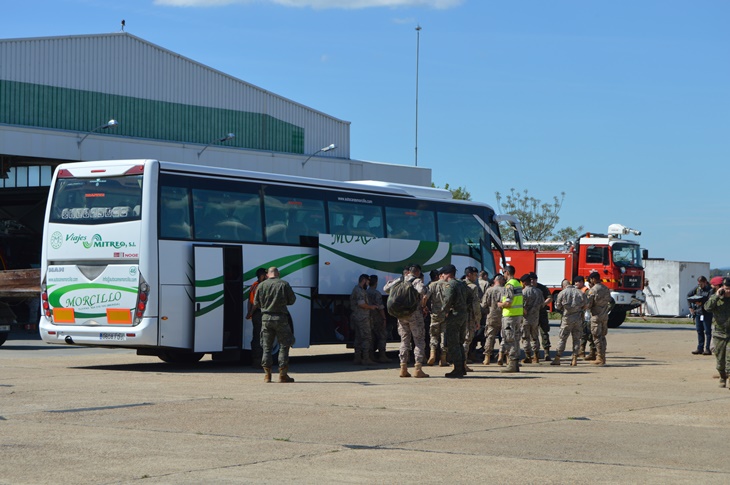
(455, 310)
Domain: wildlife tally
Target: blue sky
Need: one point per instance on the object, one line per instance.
(623, 105)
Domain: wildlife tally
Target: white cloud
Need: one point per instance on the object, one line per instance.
(320, 4)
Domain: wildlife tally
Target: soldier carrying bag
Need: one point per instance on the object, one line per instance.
(403, 300)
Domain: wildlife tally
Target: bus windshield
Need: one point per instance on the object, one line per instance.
(96, 201)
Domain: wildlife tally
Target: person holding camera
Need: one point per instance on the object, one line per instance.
(702, 318)
(719, 305)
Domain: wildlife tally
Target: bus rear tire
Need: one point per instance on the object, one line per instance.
(177, 357)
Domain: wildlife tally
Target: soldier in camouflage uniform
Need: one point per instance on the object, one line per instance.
(543, 320)
(360, 320)
(457, 299)
(532, 302)
(587, 337)
(377, 319)
(512, 313)
(572, 303)
(437, 330)
(411, 329)
(272, 296)
(492, 296)
(599, 303)
(475, 312)
(719, 305)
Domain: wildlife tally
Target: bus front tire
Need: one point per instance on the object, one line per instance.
(177, 357)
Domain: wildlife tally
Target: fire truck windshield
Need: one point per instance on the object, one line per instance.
(626, 254)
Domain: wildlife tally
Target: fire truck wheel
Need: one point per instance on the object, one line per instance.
(616, 318)
(176, 357)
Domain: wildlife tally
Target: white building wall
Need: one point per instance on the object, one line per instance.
(668, 285)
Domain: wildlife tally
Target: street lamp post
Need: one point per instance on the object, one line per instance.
(418, 47)
(109, 124)
(221, 140)
(321, 150)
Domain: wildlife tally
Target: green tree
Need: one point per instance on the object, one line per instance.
(458, 193)
(538, 219)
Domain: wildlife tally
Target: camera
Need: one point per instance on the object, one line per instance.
(721, 292)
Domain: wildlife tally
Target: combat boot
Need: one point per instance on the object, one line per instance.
(582, 351)
(600, 360)
(556, 360)
(283, 376)
(723, 379)
(419, 372)
(527, 359)
(382, 357)
(467, 368)
(500, 358)
(574, 360)
(442, 362)
(358, 358)
(458, 372)
(366, 360)
(511, 367)
(547, 354)
(404, 370)
(432, 357)
(487, 358)
(536, 358)
(592, 355)
(267, 375)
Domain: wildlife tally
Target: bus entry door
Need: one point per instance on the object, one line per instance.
(218, 298)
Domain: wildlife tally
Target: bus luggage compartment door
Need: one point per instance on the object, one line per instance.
(218, 298)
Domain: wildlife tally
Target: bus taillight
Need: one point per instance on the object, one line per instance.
(46, 306)
(142, 297)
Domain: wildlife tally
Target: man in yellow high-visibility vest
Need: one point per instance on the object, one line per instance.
(512, 312)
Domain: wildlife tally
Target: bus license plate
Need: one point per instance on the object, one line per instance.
(112, 336)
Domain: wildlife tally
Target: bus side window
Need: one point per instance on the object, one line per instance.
(174, 213)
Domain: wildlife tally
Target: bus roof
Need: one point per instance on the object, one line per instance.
(369, 186)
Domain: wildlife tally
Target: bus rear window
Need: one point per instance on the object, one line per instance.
(97, 201)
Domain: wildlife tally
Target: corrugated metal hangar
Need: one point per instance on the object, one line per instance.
(116, 96)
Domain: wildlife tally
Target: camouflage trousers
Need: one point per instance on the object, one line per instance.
(544, 324)
(587, 338)
(494, 328)
(256, 350)
(379, 333)
(412, 329)
(363, 334)
(570, 328)
(722, 354)
(437, 331)
(456, 332)
(599, 329)
(469, 332)
(511, 335)
(530, 335)
(279, 330)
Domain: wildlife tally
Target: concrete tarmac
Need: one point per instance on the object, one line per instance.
(653, 414)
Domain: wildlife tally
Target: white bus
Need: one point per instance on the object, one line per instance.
(159, 256)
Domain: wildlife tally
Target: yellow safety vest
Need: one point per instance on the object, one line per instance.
(516, 309)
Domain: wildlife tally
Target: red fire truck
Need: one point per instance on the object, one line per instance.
(617, 260)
